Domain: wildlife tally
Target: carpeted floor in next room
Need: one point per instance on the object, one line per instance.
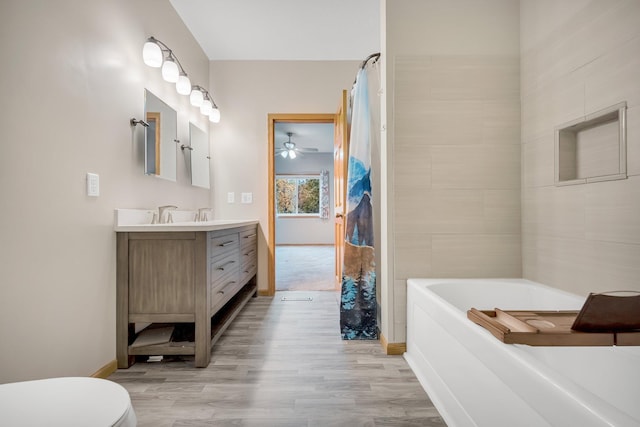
(305, 268)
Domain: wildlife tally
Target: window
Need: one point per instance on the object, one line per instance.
(298, 195)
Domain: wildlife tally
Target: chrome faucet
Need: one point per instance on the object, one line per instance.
(203, 214)
(166, 219)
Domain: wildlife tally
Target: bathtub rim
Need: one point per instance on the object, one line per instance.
(605, 412)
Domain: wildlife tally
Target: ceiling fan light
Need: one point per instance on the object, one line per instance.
(284, 154)
(151, 53)
(292, 154)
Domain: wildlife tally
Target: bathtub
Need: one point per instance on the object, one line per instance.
(475, 380)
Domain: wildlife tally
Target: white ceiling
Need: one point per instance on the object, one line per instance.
(283, 29)
(305, 135)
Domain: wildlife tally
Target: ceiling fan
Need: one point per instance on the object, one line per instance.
(290, 150)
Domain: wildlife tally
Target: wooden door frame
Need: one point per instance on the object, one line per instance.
(272, 120)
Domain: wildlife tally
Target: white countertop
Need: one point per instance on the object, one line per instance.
(138, 220)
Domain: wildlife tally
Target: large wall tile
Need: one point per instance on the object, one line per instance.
(412, 172)
(440, 122)
(554, 211)
(400, 309)
(613, 77)
(613, 211)
(500, 122)
(476, 256)
(412, 255)
(538, 161)
(633, 140)
(476, 167)
(501, 211)
(439, 211)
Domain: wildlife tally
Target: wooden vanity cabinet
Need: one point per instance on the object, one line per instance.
(202, 278)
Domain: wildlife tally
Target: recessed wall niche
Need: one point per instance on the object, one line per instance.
(592, 148)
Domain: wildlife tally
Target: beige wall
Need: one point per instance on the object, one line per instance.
(72, 78)
(579, 57)
(453, 145)
(247, 91)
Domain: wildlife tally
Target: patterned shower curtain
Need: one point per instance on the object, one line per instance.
(358, 298)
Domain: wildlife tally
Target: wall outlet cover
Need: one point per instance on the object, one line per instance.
(247, 197)
(93, 184)
(231, 197)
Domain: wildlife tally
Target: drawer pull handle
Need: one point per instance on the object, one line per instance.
(249, 253)
(226, 243)
(250, 236)
(221, 268)
(221, 292)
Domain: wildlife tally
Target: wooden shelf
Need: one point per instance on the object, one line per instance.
(222, 320)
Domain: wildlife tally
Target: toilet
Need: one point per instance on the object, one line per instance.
(68, 402)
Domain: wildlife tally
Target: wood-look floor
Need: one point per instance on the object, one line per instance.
(282, 363)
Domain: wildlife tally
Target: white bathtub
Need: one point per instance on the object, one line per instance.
(476, 380)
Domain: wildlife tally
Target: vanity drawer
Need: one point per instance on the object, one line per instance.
(248, 263)
(224, 292)
(248, 271)
(219, 245)
(248, 237)
(223, 266)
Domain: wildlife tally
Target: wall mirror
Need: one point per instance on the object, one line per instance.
(160, 147)
(199, 157)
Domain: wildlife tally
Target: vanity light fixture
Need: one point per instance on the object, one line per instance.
(157, 54)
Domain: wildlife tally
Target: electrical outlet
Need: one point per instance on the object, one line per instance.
(93, 184)
(231, 197)
(247, 197)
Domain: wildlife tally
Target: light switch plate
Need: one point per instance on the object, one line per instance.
(247, 197)
(231, 197)
(93, 184)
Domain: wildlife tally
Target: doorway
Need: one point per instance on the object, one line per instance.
(301, 251)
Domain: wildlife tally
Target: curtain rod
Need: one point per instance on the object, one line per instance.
(368, 58)
(374, 56)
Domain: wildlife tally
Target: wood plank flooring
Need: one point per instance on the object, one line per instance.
(282, 363)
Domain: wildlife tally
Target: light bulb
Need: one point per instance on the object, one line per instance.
(183, 85)
(284, 154)
(292, 154)
(214, 115)
(196, 97)
(206, 107)
(152, 54)
(170, 70)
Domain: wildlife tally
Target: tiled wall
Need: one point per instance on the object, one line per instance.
(577, 58)
(456, 182)
(451, 143)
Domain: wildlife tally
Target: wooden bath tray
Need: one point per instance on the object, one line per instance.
(545, 328)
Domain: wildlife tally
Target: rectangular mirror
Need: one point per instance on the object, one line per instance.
(160, 146)
(199, 157)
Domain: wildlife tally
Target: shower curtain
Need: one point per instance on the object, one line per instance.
(358, 296)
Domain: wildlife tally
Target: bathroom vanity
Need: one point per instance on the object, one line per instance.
(191, 279)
